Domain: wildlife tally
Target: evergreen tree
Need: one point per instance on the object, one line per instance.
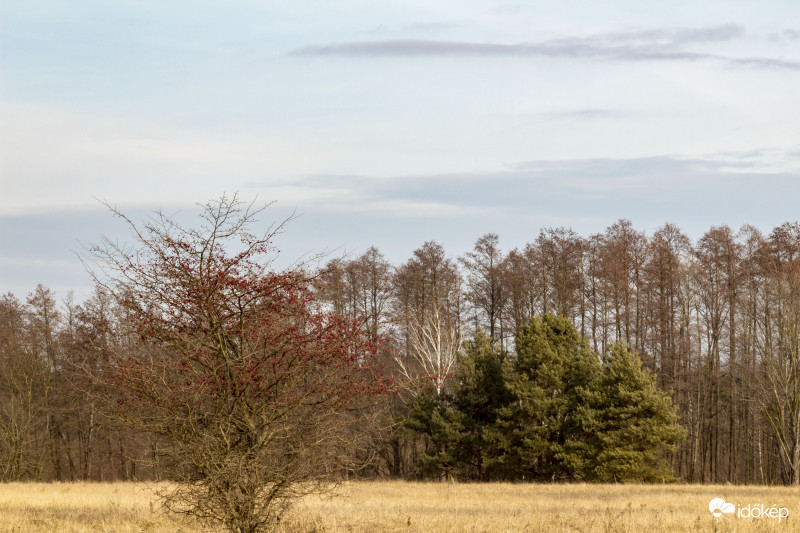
(431, 416)
(554, 370)
(461, 425)
(633, 422)
(481, 392)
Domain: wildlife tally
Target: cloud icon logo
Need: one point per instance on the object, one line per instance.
(717, 506)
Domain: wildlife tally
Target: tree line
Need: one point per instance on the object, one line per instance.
(715, 323)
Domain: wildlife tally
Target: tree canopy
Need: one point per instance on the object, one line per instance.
(551, 410)
(256, 387)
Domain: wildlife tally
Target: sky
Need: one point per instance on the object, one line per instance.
(391, 123)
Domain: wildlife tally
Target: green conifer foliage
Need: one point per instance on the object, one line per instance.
(634, 422)
(463, 440)
(481, 391)
(430, 416)
(553, 373)
(552, 411)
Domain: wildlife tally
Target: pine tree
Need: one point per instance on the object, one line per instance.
(481, 393)
(553, 374)
(431, 416)
(461, 426)
(632, 424)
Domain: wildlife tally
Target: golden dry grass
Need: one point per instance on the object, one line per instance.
(83, 508)
(431, 507)
(366, 507)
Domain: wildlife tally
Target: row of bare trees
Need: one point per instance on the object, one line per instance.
(48, 428)
(716, 320)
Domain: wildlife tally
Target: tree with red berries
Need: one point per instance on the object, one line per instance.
(255, 389)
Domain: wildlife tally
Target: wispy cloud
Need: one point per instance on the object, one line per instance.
(577, 48)
(671, 37)
(763, 62)
(640, 45)
(548, 185)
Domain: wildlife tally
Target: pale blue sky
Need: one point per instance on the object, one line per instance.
(393, 123)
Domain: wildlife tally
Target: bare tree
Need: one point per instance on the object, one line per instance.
(236, 366)
(779, 390)
(485, 290)
(623, 256)
(24, 385)
(428, 309)
(434, 345)
(519, 283)
(669, 340)
(561, 258)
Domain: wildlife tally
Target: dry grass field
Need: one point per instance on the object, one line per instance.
(417, 507)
